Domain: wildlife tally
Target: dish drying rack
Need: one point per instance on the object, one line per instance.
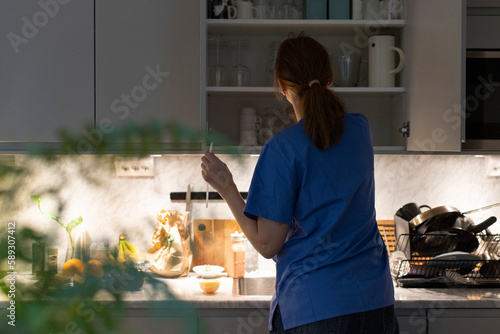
(430, 261)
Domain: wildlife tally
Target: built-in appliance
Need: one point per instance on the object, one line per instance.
(482, 76)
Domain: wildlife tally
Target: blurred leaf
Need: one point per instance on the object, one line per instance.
(74, 223)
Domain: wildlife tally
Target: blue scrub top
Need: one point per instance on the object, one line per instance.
(334, 261)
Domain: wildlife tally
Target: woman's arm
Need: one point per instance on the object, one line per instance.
(266, 236)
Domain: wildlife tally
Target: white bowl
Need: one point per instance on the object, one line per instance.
(208, 271)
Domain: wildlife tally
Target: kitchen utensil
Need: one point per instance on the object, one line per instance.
(209, 286)
(409, 211)
(217, 73)
(461, 262)
(246, 11)
(398, 264)
(240, 74)
(434, 243)
(448, 231)
(465, 231)
(396, 10)
(208, 271)
(346, 69)
(206, 195)
(38, 253)
(220, 9)
(381, 61)
(425, 216)
(482, 208)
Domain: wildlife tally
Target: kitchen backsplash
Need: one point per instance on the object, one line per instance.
(88, 186)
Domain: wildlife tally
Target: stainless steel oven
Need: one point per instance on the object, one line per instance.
(482, 76)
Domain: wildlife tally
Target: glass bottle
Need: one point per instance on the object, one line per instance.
(235, 262)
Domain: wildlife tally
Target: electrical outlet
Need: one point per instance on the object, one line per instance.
(492, 166)
(135, 168)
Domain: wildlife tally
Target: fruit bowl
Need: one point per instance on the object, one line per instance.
(208, 271)
(210, 286)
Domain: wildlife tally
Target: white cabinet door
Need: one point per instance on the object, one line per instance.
(46, 68)
(148, 65)
(434, 73)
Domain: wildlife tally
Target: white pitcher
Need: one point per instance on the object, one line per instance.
(381, 61)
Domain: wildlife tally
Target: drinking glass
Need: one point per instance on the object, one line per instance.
(217, 73)
(240, 74)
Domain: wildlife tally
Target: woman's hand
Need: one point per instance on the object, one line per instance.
(216, 173)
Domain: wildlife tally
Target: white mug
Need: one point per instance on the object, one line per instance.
(248, 138)
(381, 61)
(231, 12)
(245, 10)
(250, 122)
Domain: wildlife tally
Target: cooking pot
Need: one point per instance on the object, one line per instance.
(444, 229)
(444, 217)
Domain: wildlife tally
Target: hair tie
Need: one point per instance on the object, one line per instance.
(312, 82)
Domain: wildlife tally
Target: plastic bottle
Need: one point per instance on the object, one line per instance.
(236, 256)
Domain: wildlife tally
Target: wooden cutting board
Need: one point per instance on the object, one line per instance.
(212, 240)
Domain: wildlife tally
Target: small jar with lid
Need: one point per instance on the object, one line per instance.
(235, 261)
(52, 260)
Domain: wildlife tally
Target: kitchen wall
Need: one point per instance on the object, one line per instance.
(87, 186)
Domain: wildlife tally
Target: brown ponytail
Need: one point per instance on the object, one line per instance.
(303, 66)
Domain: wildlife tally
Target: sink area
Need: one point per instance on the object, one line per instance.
(261, 286)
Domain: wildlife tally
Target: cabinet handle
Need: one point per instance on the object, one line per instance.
(405, 130)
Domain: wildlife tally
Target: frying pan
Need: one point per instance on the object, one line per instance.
(466, 233)
(461, 236)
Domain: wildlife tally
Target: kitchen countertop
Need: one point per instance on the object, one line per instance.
(187, 289)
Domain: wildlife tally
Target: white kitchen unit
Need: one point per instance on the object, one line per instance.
(427, 90)
(148, 64)
(46, 69)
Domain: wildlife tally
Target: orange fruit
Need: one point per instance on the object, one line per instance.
(209, 286)
(72, 267)
(94, 268)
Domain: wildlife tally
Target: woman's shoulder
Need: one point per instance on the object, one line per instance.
(356, 117)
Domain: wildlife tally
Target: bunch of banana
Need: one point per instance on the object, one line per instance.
(127, 251)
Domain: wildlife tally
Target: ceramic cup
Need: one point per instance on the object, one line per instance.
(276, 12)
(262, 12)
(221, 10)
(381, 61)
(246, 11)
(262, 8)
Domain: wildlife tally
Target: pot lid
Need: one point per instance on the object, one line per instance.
(431, 213)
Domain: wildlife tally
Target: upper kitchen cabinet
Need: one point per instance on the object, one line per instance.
(46, 69)
(424, 104)
(148, 66)
(434, 76)
(252, 45)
